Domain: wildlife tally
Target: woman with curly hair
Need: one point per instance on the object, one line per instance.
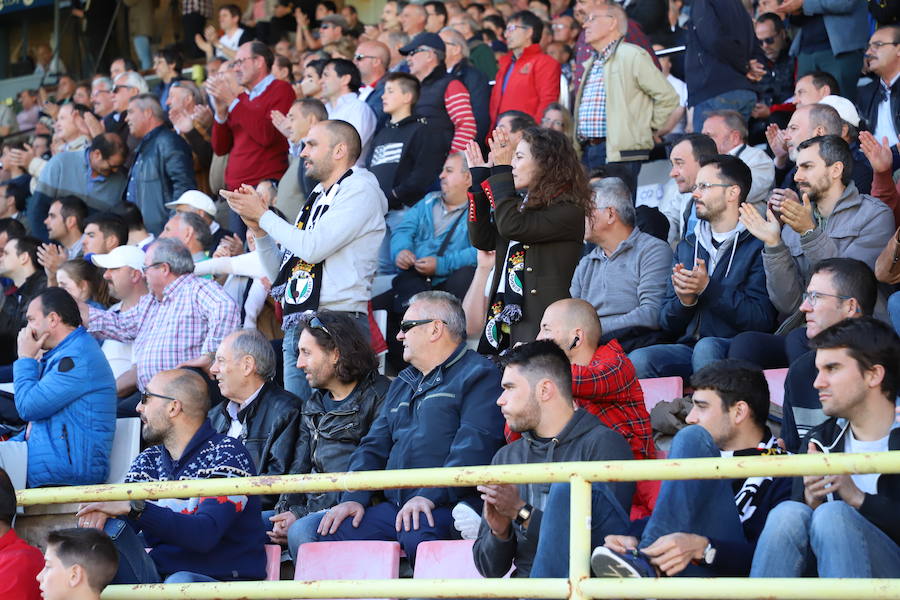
(529, 204)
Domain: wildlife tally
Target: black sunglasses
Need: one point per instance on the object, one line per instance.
(405, 326)
(145, 396)
(768, 41)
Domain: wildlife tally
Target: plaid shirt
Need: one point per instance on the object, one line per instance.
(192, 318)
(204, 7)
(592, 110)
(609, 389)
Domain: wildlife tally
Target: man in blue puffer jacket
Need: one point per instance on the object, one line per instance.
(65, 389)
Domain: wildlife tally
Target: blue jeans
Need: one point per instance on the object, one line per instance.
(834, 539)
(739, 100)
(678, 360)
(699, 506)
(135, 564)
(893, 306)
(392, 220)
(188, 577)
(142, 49)
(595, 156)
(551, 558)
(37, 209)
(303, 531)
(378, 524)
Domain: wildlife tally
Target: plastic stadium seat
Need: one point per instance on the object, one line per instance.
(775, 378)
(657, 389)
(347, 560)
(273, 562)
(126, 446)
(445, 560)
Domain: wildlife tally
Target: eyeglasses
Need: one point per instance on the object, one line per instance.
(703, 186)
(121, 87)
(595, 16)
(327, 26)
(316, 323)
(145, 396)
(813, 297)
(879, 45)
(359, 57)
(239, 61)
(768, 41)
(405, 326)
(513, 27)
(146, 268)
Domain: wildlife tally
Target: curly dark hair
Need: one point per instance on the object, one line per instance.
(561, 176)
(356, 358)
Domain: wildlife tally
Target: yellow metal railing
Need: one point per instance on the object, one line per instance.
(579, 585)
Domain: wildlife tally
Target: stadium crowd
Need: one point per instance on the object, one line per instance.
(209, 254)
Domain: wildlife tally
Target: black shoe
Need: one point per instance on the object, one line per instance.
(606, 563)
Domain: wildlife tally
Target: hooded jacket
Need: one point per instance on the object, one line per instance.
(879, 509)
(584, 438)
(735, 300)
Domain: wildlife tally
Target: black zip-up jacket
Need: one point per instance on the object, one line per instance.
(12, 314)
(880, 509)
(584, 438)
(406, 158)
(327, 439)
(271, 423)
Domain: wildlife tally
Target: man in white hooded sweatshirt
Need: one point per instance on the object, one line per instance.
(718, 283)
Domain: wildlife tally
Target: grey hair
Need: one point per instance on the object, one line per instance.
(173, 253)
(185, 84)
(733, 121)
(458, 39)
(826, 117)
(398, 38)
(471, 23)
(150, 102)
(445, 307)
(612, 192)
(621, 16)
(102, 80)
(250, 342)
(200, 227)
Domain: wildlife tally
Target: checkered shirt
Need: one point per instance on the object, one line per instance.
(592, 110)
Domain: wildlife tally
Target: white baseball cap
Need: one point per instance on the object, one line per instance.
(844, 108)
(196, 199)
(121, 256)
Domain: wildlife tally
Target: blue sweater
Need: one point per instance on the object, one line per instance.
(416, 234)
(221, 537)
(70, 399)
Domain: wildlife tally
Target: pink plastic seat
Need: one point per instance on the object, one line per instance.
(657, 389)
(775, 378)
(347, 560)
(445, 559)
(273, 562)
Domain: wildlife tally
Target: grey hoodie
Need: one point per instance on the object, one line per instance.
(584, 438)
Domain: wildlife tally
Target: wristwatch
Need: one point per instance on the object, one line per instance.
(709, 554)
(137, 509)
(524, 514)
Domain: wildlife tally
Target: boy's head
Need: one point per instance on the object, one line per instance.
(78, 562)
(401, 92)
(731, 401)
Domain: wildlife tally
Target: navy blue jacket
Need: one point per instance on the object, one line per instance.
(734, 301)
(446, 418)
(479, 93)
(70, 399)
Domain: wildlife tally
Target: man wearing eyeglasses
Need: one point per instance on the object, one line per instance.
(439, 412)
(879, 101)
(718, 286)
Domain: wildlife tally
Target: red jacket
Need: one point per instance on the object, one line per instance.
(532, 86)
(19, 565)
(256, 149)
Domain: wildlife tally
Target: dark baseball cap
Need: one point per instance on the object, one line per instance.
(431, 40)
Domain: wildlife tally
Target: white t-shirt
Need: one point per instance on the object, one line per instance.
(682, 91)
(230, 42)
(866, 482)
(119, 355)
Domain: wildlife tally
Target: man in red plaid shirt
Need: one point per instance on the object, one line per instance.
(604, 382)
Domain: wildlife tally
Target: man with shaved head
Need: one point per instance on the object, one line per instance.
(207, 538)
(328, 256)
(373, 59)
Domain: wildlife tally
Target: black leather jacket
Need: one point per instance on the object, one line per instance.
(271, 423)
(163, 170)
(327, 439)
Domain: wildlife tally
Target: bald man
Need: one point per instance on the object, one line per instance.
(328, 256)
(373, 59)
(190, 539)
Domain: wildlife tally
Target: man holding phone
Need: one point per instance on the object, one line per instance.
(830, 219)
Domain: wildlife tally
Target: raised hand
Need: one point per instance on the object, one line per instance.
(767, 230)
(775, 137)
(502, 149)
(879, 155)
(474, 156)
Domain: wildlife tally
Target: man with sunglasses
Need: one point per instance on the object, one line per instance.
(439, 412)
(215, 538)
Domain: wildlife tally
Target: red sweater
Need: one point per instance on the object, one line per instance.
(533, 84)
(256, 149)
(19, 565)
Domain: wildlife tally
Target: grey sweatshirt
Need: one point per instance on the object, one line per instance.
(627, 287)
(584, 438)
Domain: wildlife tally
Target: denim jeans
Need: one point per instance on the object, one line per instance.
(844, 67)
(678, 360)
(551, 558)
(700, 506)
(142, 49)
(135, 564)
(834, 539)
(740, 100)
(304, 531)
(378, 523)
(893, 306)
(188, 577)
